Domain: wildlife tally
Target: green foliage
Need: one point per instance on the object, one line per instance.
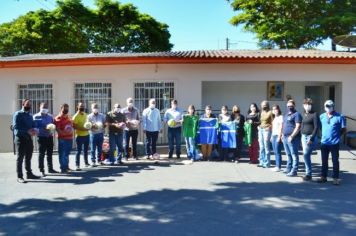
(295, 23)
(74, 28)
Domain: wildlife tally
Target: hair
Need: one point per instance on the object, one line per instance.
(43, 103)
(255, 105)
(64, 105)
(192, 107)
(174, 101)
(266, 102)
(94, 104)
(24, 101)
(278, 108)
(208, 107)
(308, 101)
(129, 99)
(236, 109)
(291, 101)
(225, 107)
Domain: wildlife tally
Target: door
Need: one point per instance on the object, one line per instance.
(316, 93)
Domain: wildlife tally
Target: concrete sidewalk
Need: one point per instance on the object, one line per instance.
(205, 198)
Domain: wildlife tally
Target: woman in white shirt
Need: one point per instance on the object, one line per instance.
(276, 138)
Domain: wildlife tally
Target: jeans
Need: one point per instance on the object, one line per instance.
(64, 148)
(45, 145)
(96, 144)
(264, 136)
(174, 136)
(277, 148)
(325, 150)
(191, 149)
(115, 140)
(82, 144)
(291, 149)
(151, 140)
(24, 149)
(307, 151)
(133, 134)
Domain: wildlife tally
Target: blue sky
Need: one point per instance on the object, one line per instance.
(193, 24)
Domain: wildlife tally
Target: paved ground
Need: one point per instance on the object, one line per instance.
(206, 198)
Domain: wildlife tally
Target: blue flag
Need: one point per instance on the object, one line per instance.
(208, 131)
(228, 134)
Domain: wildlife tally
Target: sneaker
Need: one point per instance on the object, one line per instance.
(52, 171)
(43, 174)
(87, 165)
(322, 180)
(120, 162)
(178, 156)
(78, 168)
(336, 181)
(148, 158)
(259, 165)
(286, 171)
(276, 169)
(291, 174)
(64, 171)
(21, 181)
(32, 176)
(93, 165)
(124, 159)
(307, 178)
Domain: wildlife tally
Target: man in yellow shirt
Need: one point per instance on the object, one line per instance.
(81, 135)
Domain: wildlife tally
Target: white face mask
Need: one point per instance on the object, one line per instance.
(44, 111)
(95, 110)
(307, 107)
(329, 109)
(130, 105)
(152, 106)
(174, 106)
(117, 109)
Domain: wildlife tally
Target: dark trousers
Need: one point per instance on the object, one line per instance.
(82, 144)
(174, 137)
(45, 145)
(151, 142)
(133, 135)
(334, 150)
(24, 148)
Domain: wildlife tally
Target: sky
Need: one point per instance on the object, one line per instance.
(193, 24)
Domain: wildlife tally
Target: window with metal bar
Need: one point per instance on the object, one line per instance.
(89, 93)
(37, 93)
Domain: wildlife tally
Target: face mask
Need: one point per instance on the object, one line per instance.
(27, 109)
(224, 112)
(174, 106)
(117, 109)
(329, 109)
(81, 109)
(152, 106)
(130, 105)
(44, 111)
(307, 107)
(265, 108)
(95, 110)
(65, 111)
(291, 109)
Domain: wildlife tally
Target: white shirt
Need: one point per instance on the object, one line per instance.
(277, 124)
(175, 114)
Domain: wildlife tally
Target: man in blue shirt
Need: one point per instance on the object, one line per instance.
(23, 128)
(45, 138)
(333, 125)
(174, 117)
(291, 138)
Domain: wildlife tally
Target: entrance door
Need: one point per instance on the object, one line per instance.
(316, 93)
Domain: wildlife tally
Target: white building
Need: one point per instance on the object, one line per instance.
(193, 77)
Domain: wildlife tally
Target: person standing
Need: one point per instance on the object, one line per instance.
(45, 138)
(264, 135)
(276, 138)
(207, 148)
(96, 133)
(131, 131)
(292, 121)
(224, 116)
(239, 120)
(333, 126)
(151, 124)
(24, 127)
(81, 135)
(253, 119)
(116, 122)
(309, 130)
(64, 127)
(174, 117)
(190, 126)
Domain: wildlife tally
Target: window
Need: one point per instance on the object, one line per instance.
(163, 92)
(89, 93)
(37, 93)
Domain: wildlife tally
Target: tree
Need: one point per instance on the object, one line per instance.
(288, 24)
(74, 28)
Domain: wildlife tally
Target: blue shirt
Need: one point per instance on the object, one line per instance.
(22, 122)
(41, 122)
(151, 120)
(289, 122)
(175, 114)
(97, 118)
(331, 128)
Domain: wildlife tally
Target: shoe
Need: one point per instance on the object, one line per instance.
(136, 158)
(125, 159)
(43, 174)
(64, 171)
(178, 156)
(291, 174)
(32, 176)
(69, 170)
(148, 158)
(120, 162)
(101, 163)
(87, 165)
(169, 157)
(322, 180)
(336, 181)
(93, 165)
(276, 169)
(52, 171)
(307, 178)
(21, 181)
(286, 171)
(78, 168)
(259, 165)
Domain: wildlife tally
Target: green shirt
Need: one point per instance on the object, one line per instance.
(190, 126)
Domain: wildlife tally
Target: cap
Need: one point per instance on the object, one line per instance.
(329, 103)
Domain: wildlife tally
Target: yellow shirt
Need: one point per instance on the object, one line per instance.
(78, 120)
(266, 119)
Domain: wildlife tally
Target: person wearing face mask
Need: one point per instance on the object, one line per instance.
(45, 138)
(96, 133)
(23, 128)
(239, 120)
(333, 126)
(81, 135)
(251, 135)
(224, 116)
(207, 147)
(174, 131)
(276, 137)
(291, 138)
(131, 131)
(151, 124)
(309, 130)
(64, 128)
(264, 135)
(116, 122)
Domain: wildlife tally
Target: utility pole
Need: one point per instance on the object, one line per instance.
(227, 43)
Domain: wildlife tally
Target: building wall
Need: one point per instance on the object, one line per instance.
(194, 84)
